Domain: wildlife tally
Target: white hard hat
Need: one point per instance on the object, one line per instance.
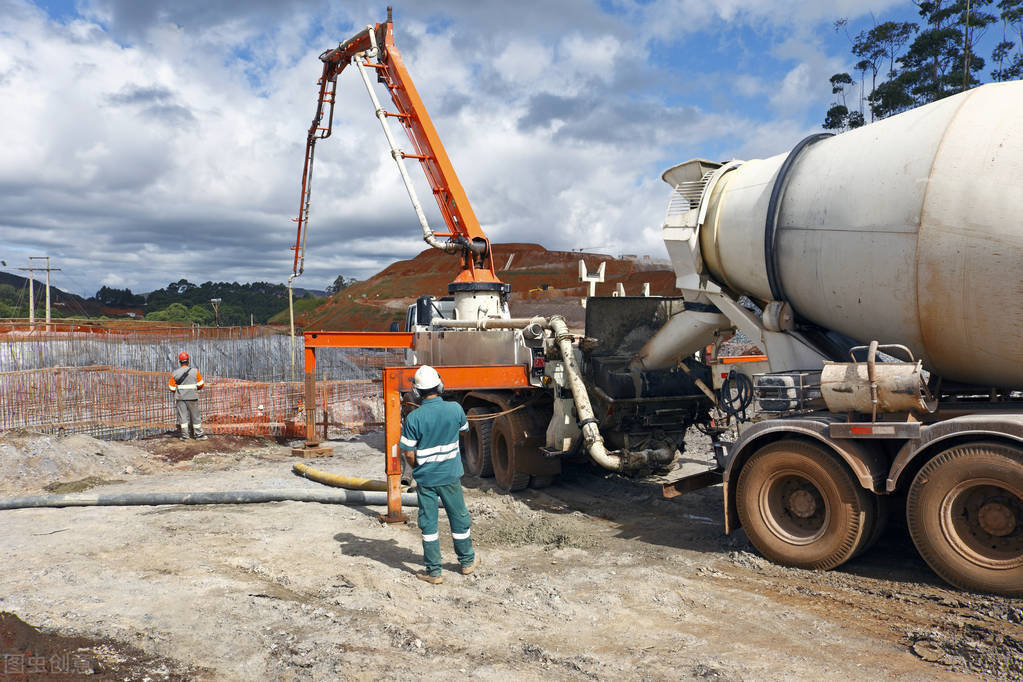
(426, 378)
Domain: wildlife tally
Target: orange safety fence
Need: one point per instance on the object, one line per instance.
(112, 402)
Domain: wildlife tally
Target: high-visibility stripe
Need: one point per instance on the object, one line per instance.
(460, 536)
(435, 449)
(200, 383)
(431, 537)
(464, 427)
(407, 443)
(173, 388)
(436, 458)
(188, 387)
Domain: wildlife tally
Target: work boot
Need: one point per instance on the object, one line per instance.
(202, 437)
(468, 570)
(184, 438)
(432, 579)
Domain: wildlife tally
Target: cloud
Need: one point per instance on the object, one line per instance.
(150, 141)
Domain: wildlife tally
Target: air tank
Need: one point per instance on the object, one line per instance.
(908, 230)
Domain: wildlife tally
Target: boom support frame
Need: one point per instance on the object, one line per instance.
(464, 234)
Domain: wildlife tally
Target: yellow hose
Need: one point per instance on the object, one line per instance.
(337, 480)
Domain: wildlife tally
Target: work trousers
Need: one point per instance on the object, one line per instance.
(458, 516)
(188, 411)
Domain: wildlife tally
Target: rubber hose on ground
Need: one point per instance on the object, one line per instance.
(347, 497)
(337, 480)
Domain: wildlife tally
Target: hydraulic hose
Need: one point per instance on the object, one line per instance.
(736, 394)
(337, 480)
(346, 497)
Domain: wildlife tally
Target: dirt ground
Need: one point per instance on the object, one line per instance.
(596, 577)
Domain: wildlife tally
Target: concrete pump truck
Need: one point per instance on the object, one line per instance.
(880, 271)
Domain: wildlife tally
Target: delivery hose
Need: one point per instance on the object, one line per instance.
(587, 422)
(337, 480)
(346, 497)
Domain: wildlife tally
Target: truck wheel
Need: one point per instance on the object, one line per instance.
(505, 443)
(965, 515)
(877, 522)
(801, 507)
(476, 450)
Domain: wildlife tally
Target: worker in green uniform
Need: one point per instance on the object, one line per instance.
(429, 442)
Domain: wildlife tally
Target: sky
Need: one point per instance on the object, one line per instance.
(148, 141)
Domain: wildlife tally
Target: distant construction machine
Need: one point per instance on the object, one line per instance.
(905, 231)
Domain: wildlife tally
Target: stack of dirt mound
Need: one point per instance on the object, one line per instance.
(32, 461)
(541, 279)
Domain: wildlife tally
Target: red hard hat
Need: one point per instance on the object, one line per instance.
(182, 356)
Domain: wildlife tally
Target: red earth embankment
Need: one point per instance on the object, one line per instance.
(538, 277)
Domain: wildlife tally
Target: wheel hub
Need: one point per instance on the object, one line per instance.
(983, 521)
(802, 504)
(793, 508)
(996, 519)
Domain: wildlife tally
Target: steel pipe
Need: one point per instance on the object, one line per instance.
(399, 157)
(491, 323)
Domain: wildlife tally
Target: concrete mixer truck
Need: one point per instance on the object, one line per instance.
(881, 273)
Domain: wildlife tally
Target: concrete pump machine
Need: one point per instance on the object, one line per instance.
(881, 273)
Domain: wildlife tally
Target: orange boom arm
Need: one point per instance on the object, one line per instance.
(464, 234)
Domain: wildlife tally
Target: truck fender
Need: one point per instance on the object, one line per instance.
(504, 400)
(866, 461)
(942, 435)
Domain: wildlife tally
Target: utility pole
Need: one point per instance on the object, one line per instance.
(216, 308)
(31, 289)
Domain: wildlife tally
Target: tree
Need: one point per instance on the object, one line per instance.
(836, 117)
(889, 38)
(941, 57)
(839, 82)
(8, 294)
(870, 54)
(1008, 54)
(200, 314)
(116, 297)
(839, 118)
(892, 96)
(340, 283)
(974, 24)
(232, 315)
(175, 312)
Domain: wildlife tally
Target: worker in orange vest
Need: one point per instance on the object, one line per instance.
(186, 382)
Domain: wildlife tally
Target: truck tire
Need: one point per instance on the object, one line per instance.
(476, 445)
(965, 515)
(800, 506)
(505, 446)
(877, 522)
